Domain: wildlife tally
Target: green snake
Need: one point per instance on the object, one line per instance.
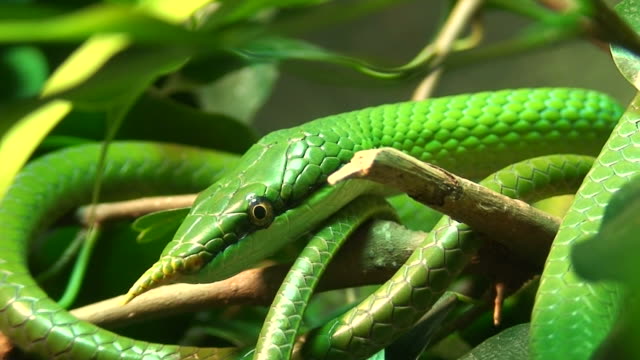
(276, 194)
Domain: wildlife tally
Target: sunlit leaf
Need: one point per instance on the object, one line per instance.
(114, 87)
(85, 61)
(98, 49)
(99, 19)
(17, 144)
(174, 11)
(125, 75)
(510, 344)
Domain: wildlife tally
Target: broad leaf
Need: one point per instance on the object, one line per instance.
(100, 19)
(510, 344)
(273, 48)
(160, 225)
(23, 137)
(628, 63)
(23, 70)
(98, 49)
(617, 238)
(239, 94)
(161, 119)
(610, 255)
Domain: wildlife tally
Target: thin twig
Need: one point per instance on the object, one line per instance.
(458, 19)
(5, 347)
(370, 257)
(427, 86)
(133, 208)
(498, 300)
(524, 230)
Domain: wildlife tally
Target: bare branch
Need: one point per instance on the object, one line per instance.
(5, 347)
(371, 256)
(133, 208)
(523, 229)
(459, 18)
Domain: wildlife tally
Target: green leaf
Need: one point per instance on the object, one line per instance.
(160, 225)
(274, 48)
(380, 355)
(17, 144)
(159, 119)
(239, 94)
(85, 61)
(98, 49)
(126, 74)
(24, 11)
(121, 80)
(173, 11)
(625, 27)
(413, 214)
(616, 239)
(610, 255)
(510, 344)
(23, 70)
(99, 19)
(627, 62)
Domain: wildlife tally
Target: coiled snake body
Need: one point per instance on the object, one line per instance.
(275, 194)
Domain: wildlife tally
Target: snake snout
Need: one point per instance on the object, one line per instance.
(165, 271)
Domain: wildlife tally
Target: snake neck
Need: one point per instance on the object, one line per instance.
(504, 126)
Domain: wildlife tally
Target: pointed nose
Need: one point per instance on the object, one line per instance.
(165, 271)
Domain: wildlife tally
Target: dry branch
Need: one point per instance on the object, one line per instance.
(132, 208)
(370, 257)
(525, 230)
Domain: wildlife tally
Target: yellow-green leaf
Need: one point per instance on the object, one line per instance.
(21, 139)
(85, 61)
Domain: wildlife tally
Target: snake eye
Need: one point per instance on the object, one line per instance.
(261, 212)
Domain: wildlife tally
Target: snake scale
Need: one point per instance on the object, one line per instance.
(276, 194)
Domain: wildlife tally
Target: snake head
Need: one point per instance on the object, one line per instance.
(238, 206)
(250, 213)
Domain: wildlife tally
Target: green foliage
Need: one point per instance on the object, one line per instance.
(510, 344)
(616, 239)
(626, 60)
(609, 256)
(159, 225)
